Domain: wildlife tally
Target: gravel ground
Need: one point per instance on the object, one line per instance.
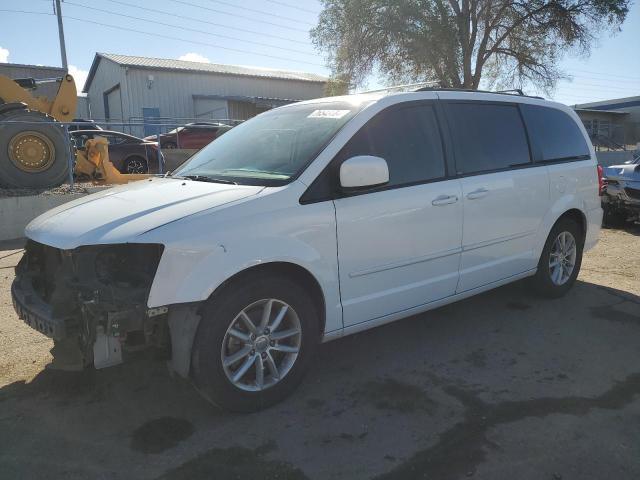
(79, 187)
(502, 385)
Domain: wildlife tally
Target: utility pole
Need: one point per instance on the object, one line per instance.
(63, 49)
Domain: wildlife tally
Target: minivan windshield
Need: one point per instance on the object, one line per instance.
(272, 148)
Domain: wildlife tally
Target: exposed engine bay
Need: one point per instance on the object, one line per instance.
(91, 300)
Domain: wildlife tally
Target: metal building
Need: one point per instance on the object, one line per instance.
(612, 124)
(124, 89)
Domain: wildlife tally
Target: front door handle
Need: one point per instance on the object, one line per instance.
(444, 200)
(479, 193)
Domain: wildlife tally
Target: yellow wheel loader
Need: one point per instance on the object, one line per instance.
(33, 148)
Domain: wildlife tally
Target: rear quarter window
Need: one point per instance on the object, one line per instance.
(554, 133)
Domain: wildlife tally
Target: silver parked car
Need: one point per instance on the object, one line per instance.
(621, 198)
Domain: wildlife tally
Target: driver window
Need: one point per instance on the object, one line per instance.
(408, 139)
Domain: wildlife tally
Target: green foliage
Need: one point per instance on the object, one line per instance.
(337, 85)
(457, 42)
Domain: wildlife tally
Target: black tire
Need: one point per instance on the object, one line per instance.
(542, 282)
(13, 177)
(169, 145)
(218, 315)
(135, 164)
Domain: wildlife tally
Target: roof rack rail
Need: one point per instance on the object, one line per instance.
(515, 91)
(512, 90)
(409, 87)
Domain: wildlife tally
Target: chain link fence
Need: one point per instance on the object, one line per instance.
(161, 142)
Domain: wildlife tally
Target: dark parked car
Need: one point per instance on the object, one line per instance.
(621, 199)
(191, 136)
(128, 154)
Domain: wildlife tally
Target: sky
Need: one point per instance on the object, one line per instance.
(262, 33)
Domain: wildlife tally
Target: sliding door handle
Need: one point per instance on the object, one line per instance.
(479, 193)
(444, 200)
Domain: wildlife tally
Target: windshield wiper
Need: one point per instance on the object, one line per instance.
(205, 178)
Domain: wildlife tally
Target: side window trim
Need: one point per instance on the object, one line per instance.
(331, 168)
(447, 140)
(532, 156)
(530, 164)
(572, 158)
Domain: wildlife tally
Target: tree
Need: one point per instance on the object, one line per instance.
(458, 43)
(336, 85)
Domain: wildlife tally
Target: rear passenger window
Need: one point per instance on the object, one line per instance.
(487, 137)
(555, 134)
(408, 139)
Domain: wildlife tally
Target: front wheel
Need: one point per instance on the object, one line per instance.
(561, 259)
(254, 343)
(33, 151)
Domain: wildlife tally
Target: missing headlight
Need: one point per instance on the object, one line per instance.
(127, 265)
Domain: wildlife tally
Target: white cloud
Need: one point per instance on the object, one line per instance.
(4, 55)
(194, 57)
(80, 76)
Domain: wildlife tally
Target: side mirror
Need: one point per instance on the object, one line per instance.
(363, 171)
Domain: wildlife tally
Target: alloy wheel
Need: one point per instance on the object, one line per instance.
(136, 165)
(261, 345)
(562, 258)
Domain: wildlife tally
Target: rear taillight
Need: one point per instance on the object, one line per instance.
(601, 181)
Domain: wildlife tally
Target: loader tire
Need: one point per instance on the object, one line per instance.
(32, 155)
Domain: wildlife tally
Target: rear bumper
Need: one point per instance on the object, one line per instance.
(594, 224)
(35, 312)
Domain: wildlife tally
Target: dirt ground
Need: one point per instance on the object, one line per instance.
(502, 385)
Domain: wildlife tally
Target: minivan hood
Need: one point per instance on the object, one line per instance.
(120, 214)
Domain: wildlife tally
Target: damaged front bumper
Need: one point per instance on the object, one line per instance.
(35, 312)
(92, 300)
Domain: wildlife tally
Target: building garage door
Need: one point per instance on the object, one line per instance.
(113, 108)
(210, 108)
(241, 110)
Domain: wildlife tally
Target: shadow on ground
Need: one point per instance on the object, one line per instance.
(630, 227)
(440, 395)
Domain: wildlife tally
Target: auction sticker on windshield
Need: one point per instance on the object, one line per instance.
(328, 113)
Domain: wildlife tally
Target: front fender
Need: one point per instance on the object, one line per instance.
(194, 265)
(189, 276)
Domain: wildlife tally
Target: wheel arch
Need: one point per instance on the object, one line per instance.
(576, 215)
(184, 319)
(284, 268)
(567, 206)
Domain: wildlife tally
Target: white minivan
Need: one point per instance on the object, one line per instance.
(310, 222)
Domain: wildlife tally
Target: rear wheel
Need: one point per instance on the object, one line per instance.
(561, 259)
(254, 343)
(134, 165)
(35, 151)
